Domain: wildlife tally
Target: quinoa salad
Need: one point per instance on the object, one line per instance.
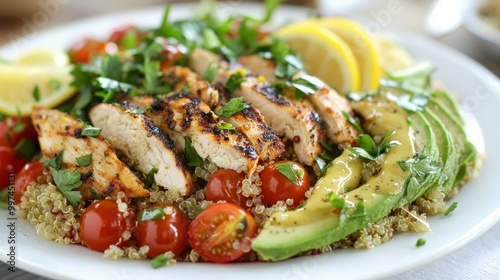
(219, 140)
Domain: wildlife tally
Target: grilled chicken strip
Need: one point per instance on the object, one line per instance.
(106, 174)
(249, 122)
(297, 122)
(184, 115)
(144, 145)
(327, 102)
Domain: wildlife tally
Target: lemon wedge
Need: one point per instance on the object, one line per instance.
(39, 77)
(361, 46)
(325, 54)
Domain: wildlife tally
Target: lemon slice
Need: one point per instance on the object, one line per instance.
(392, 55)
(46, 71)
(325, 55)
(361, 46)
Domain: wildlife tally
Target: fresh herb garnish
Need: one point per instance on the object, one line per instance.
(368, 149)
(210, 40)
(210, 73)
(88, 130)
(54, 84)
(95, 195)
(226, 126)
(66, 181)
(150, 177)
(305, 85)
(420, 165)
(26, 148)
(54, 162)
(271, 6)
(340, 203)
(420, 242)
(360, 210)
(36, 93)
(234, 81)
(410, 104)
(19, 126)
(192, 157)
(84, 160)
(450, 209)
(138, 111)
(154, 213)
(232, 107)
(159, 261)
(353, 121)
(290, 171)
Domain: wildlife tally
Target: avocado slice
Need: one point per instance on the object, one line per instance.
(318, 223)
(445, 99)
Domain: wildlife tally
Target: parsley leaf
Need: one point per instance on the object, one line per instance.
(95, 195)
(88, 130)
(210, 73)
(306, 85)
(353, 121)
(26, 148)
(420, 165)
(290, 171)
(84, 160)
(150, 177)
(226, 126)
(192, 157)
(210, 40)
(360, 210)
(271, 6)
(420, 242)
(368, 149)
(450, 209)
(232, 107)
(36, 93)
(54, 162)
(151, 74)
(235, 81)
(340, 203)
(154, 213)
(66, 181)
(159, 261)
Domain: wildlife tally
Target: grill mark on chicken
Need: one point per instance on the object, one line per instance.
(106, 175)
(183, 115)
(145, 147)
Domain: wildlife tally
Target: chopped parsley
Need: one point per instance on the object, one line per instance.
(290, 171)
(420, 165)
(210, 73)
(54, 162)
(420, 242)
(154, 213)
(36, 93)
(26, 148)
(88, 130)
(192, 157)
(340, 203)
(84, 160)
(322, 164)
(95, 195)
(270, 6)
(159, 261)
(368, 149)
(450, 209)
(360, 210)
(353, 121)
(234, 81)
(232, 107)
(150, 177)
(226, 126)
(66, 181)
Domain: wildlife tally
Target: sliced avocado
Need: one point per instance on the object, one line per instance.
(318, 223)
(448, 103)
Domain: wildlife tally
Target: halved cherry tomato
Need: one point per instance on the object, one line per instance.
(103, 224)
(163, 235)
(10, 163)
(13, 130)
(275, 186)
(27, 174)
(223, 185)
(82, 51)
(222, 232)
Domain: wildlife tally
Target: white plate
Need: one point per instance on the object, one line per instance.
(478, 209)
(487, 35)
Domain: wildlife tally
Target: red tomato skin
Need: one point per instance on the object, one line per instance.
(210, 232)
(10, 163)
(83, 50)
(223, 185)
(29, 173)
(10, 138)
(275, 186)
(169, 234)
(102, 225)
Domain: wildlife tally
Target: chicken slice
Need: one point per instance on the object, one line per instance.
(249, 122)
(298, 122)
(106, 174)
(327, 102)
(143, 144)
(184, 115)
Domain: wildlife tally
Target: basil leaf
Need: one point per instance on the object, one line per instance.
(154, 213)
(210, 73)
(66, 181)
(234, 106)
(90, 131)
(289, 172)
(234, 82)
(353, 121)
(450, 209)
(192, 157)
(55, 162)
(36, 93)
(84, 160)
(26, 148)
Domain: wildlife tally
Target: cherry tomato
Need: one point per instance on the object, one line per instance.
(119, 33)
(83, 50)
(163, 235)
(13, 130)
(26, 175)
(103, 224)
(10, 163)
(223, 185)
(222, 232)
(275, 186)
